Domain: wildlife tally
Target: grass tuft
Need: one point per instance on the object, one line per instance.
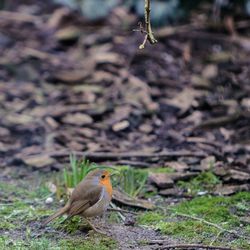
(79, 169)
(131, 180)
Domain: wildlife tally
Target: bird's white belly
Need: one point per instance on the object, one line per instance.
(99, 207)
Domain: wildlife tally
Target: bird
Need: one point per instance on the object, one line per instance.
(90, 198)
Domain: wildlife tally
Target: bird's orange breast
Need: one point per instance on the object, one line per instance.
(107, 184)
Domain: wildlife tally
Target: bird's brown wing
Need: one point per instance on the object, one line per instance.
(79, 203)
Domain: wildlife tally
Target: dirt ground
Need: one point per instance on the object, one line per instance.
(70, 85)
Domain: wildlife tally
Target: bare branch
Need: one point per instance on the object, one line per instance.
(149, 33)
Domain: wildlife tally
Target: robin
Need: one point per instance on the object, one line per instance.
(90, 198)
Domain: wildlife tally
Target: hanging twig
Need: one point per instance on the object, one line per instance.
(149, 34)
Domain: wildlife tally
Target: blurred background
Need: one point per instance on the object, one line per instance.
(72, 79)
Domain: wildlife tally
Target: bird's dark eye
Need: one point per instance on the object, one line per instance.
(103, 176)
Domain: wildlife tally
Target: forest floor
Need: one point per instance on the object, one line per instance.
(179, 111)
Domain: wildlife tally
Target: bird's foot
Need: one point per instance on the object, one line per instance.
(96, 229)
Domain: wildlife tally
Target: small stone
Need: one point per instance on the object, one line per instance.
(49, 200)
(202, 193)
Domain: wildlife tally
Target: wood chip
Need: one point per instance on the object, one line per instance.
(167, 180)
(170, 192)
(177, 165)
(4, 132)
(129, 201)
(68, 34)
(38, 161)
(69, 76)
(235, 175)
(119, 126)
(161, 180)
(77, 119)
(231, 189)
(145, 128)
(207, 163)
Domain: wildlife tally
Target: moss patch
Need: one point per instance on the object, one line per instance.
(9, 244)
(205, 181)
(187, 229)
(20, 204)
(5, 225)
(103, 243)
(225, 212)
(70, 226)
(217, 209)
(93, 244)
(150, 218)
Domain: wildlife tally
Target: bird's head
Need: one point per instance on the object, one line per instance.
(101, 177)
(99, 174)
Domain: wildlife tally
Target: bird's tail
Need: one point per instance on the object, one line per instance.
(57, 214)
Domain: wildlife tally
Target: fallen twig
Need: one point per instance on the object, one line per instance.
(139, 164)
(204, 141)
(99, 156)
(220, 121)
(216, 238)
(122, 211)
(119, 213)
(187, 246)
(213, 225)
(19, 17)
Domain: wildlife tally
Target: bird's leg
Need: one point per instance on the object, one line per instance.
(103, 218)
(94, 228)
